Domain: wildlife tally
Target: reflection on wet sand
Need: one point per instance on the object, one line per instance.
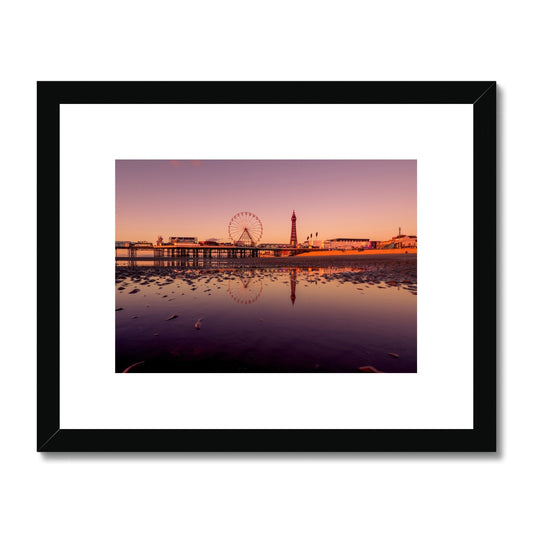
(293, 285)
(246, 289)
(241, 319)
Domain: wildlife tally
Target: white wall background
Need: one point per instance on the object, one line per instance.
(212, 40)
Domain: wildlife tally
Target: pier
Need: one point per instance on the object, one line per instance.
(179, 251)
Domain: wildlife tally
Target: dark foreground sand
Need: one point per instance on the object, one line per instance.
(360, 276)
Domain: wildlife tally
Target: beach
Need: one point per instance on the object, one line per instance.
(304, 313)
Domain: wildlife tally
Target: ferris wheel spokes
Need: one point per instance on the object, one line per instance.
(245, 228)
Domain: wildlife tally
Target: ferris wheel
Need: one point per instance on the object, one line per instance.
(245, 228)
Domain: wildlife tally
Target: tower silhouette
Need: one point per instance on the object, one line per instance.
(294, 239)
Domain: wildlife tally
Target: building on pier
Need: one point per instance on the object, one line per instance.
(183, 240)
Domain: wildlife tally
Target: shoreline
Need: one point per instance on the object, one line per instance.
(343, 253)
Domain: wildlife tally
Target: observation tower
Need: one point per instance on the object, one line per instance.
(294, 239)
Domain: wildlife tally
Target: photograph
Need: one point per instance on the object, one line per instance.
(266, 266)
(236, 266)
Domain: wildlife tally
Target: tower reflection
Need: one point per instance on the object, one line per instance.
(292, 275)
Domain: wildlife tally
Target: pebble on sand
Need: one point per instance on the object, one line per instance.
(392, 354)
(119, 309)
(172, 317)
(198, 324)
(370, 369)
(134, 291)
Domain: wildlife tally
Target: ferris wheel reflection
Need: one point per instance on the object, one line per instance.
(246, 288)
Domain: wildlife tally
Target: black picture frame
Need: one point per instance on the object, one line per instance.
(52, 438)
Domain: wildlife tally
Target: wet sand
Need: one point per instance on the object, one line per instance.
(393, 268)
(340, 313)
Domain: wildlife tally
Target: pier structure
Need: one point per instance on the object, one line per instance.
(202, 251)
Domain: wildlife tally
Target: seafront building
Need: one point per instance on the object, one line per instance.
(351, 243)
(399, 241)
(405, 241)
(345, 243)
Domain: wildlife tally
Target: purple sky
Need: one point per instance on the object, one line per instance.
(337, 198)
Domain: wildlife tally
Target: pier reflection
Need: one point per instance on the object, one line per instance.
(194, 262)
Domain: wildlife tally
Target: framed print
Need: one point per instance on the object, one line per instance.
(266, 266)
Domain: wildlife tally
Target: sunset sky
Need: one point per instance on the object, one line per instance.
(336, 198)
